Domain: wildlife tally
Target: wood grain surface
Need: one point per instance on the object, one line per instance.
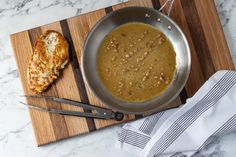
(197, 18)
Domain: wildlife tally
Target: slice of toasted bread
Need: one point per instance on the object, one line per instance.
(49, 56)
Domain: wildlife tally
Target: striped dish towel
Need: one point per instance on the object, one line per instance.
(181, 132)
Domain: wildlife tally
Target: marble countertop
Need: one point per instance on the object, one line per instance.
(16, 134)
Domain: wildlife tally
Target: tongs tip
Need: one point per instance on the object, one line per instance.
(34, 96)
(27, 96)
(23, 103)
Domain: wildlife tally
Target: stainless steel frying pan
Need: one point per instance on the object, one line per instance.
(148, 16)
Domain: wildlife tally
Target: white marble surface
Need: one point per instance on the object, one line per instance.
(16, 135)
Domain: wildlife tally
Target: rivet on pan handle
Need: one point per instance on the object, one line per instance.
(169, 9)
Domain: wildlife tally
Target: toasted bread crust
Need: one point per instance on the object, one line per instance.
(49, 56)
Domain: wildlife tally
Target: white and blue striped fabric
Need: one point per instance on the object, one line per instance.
(183, 131)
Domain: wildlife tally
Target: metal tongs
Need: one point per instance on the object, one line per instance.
(98, 112)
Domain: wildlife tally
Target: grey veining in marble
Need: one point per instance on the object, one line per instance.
(16, 135)
(227, 12)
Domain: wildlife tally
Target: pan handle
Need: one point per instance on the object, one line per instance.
(169, 9)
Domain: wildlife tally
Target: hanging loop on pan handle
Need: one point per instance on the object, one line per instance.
(170, 6)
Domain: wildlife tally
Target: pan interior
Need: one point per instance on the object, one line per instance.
(147, 16)
(136, 62)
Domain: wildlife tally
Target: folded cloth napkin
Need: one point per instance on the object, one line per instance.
(183, 131)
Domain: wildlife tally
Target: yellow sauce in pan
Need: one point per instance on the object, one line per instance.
(136, 62)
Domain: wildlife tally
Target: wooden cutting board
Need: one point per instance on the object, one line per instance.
(200, 23)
